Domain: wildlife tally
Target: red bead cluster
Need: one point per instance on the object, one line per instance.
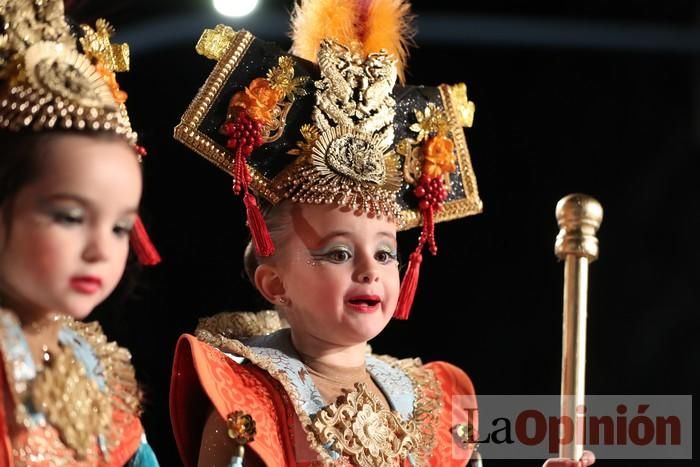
(431, 192)
(244, 134)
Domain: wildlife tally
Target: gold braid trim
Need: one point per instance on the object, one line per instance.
(243, 324)
(120, 376)
(227, 345)
(427, 405)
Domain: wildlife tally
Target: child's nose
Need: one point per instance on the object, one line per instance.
(368, 277)
(367, 274)
(97, 247)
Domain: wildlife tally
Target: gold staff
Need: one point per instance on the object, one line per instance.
(579, 217)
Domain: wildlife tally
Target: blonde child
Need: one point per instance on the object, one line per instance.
(340, 158)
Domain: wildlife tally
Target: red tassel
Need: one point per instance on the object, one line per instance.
(142, 245)
(258, 228)
(409, 286)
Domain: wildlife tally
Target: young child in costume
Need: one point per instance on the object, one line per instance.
(331, 158)
(70, 186)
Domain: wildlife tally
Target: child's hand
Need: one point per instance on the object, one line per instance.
(588, 458)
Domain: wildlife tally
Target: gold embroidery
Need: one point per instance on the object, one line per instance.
(427, 404)
(43, 446)
(72, 402)
(57, 394)
(119, 373)
(358, 427)
(426, 410)
(242, 324)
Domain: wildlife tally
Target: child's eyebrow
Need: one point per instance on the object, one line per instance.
(66, 197)
(388, 235)
(333, 234)
(81, 200)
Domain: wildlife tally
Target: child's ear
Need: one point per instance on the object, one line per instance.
(269, 283)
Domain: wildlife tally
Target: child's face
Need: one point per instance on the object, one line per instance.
(65, 245)
(340, 273)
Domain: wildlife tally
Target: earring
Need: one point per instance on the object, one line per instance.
(283, 300)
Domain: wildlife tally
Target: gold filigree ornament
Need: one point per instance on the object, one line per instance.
(464, 108)
(281, 77)
(346, 152)
(213, 43)
(282, 80)
(431, 121)
(346, 158)
(317, 183)
(360, 428)
(53, 69)
(96, 45)
(421, 154)
(413, 159)
(240, 427)
(72, 402)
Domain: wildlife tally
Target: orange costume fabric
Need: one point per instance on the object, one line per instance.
(204, 375)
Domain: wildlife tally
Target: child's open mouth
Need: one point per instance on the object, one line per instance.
(364, 303)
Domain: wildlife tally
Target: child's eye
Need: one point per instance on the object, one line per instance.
(67, 217)
(338, 255)
(385, 257)
(123, 229)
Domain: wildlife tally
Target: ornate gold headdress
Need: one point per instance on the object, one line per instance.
(48, 82)
(360, 139)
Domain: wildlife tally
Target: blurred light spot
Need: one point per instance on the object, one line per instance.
(235, 8)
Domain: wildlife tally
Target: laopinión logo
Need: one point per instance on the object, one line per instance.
(613, 426)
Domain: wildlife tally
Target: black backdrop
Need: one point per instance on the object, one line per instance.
(619, 124)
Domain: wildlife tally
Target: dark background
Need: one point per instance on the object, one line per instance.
(598, 97)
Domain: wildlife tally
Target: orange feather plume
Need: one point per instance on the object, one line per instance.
(371, 24)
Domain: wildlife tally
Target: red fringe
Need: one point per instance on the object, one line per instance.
(143, 247)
